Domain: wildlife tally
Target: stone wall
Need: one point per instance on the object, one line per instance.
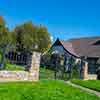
(85, 74)
(13, 75)
(31, 75)
(85, 70)
(34, 69)
(92, 77)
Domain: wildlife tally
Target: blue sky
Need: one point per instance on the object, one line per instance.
(64, 18)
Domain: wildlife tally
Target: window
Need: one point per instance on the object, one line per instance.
(92, 68)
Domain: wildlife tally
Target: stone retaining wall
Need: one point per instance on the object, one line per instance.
(85, 74)
(13, 75)
(92, 77)
(31, 75)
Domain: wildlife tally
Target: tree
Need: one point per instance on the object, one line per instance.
(44, 40)
(7, 38)
(32, 37)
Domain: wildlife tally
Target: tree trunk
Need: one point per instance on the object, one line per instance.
(3, 53)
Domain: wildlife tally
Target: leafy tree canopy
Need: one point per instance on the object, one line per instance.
(32, 37)
(7, 38)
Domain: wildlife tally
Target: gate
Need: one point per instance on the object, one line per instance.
(63, 67)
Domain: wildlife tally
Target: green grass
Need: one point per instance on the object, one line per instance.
(42, 90)
(13, 67)
(46, 73)
(92, 84)
(49, 74)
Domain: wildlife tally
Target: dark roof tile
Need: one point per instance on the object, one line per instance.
(83, 46)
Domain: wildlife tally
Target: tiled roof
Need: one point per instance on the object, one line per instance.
(83, 46)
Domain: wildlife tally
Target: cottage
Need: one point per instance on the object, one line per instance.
(85, 50)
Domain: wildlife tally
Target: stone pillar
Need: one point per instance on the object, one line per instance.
(34, 68)
(85, 70)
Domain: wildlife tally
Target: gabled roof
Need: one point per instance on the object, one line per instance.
(58, 42)
(83, 47)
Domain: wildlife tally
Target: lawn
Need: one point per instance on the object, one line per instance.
(13, 67)
(50, 74)
(46, 73)
(42, 90)
(92, 84)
